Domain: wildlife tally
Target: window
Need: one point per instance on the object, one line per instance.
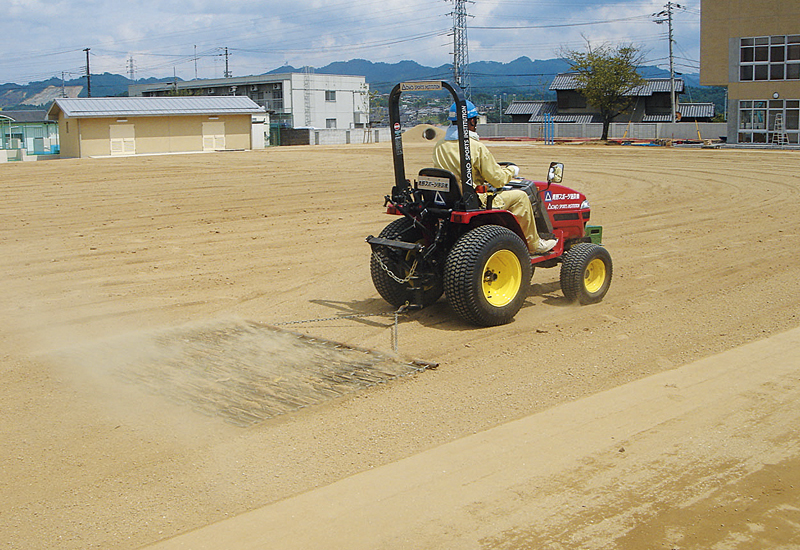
(330, 95)
(769, 58)
(773, 121)
(571, 100)
(330, 123)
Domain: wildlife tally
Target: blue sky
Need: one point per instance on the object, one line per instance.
(46, 38)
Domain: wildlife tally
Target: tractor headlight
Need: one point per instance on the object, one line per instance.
(585, 205)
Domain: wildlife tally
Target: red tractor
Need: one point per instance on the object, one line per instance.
(446, 242)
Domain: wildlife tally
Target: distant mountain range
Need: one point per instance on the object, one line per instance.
(522, 76)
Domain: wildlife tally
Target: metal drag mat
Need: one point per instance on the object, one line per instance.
(246, 372)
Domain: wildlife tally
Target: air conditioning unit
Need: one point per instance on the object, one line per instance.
(253, 88)
(211, 91)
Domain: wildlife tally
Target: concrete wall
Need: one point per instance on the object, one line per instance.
(679, 130)
(317, 136)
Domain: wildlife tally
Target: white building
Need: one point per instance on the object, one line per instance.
(296, 100)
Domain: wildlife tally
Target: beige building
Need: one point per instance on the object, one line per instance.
(137, 125)
(753, 48)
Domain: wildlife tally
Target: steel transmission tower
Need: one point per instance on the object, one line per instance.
(460, 48)
(131, 69)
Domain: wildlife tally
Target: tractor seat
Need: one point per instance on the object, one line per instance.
(440, 188)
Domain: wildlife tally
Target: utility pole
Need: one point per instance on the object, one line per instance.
(667, 13)
(88, 75)
(460, 48)
(227, 71)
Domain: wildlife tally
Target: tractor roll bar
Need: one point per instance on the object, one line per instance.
(468, 195)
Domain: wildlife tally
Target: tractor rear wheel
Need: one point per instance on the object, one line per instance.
(486, 275)
(400, 263)
(586, 273)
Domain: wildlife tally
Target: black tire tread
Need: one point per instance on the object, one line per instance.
(459, 285)
(572, 272)
(389, 289)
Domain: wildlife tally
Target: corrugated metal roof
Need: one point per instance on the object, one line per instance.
(569, 81)
(153, 106)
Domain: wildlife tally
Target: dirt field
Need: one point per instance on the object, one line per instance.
(112, 267)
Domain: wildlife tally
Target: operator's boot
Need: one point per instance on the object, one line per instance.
(543, 246)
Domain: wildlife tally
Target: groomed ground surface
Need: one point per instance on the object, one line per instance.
(104, 259)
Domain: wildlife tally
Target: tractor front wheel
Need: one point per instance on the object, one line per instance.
(486, 275)
(586, 273)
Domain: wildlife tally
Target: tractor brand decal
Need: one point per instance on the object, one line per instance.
(550, 196)
(434, 184)
(566, 196)
(420, 86)
(569, 206)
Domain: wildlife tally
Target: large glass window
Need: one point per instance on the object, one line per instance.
(769, 58)
(773, 121)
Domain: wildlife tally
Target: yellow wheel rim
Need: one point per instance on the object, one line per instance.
(594, 276)
(502, 278)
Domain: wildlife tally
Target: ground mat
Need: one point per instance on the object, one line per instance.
(246, 372)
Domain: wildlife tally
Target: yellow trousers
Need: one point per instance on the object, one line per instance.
(517, 202)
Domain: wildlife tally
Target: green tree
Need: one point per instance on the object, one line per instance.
(606, 76)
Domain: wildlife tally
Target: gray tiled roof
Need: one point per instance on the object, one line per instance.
(697, 110)
(537, 110)
(25, 116)
(569, 81)
(153, 106)
(687, 110)
(530, 107)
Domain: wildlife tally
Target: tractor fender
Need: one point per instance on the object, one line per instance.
(475, 218)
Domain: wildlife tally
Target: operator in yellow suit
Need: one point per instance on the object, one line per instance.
(485, 170)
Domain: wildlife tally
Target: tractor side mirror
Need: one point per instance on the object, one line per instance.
(556, 172)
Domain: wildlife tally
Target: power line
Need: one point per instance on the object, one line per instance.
(564, 25)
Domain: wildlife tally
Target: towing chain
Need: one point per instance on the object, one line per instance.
(337, 318)
(397, 279)
(395, 336)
